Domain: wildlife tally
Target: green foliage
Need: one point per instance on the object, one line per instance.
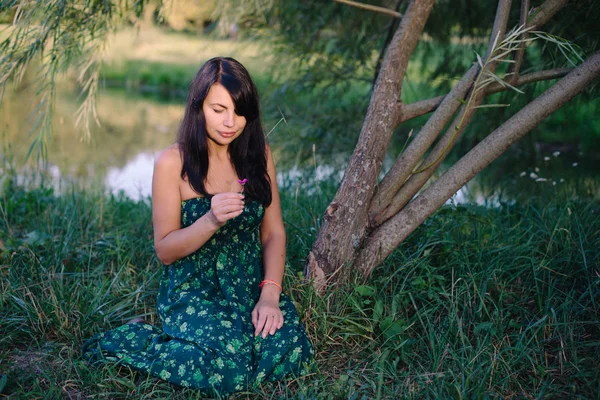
(61, 35)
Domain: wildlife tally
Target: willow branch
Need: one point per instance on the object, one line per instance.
(387, 237)
(381, 10)
(541, 15)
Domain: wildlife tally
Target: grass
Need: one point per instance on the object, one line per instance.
(477, 303)
(152, 60)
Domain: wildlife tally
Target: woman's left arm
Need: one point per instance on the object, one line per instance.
(267, 316)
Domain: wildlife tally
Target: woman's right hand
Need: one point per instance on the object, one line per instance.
(225, 206)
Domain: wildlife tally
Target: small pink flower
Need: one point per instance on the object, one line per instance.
(242, 181)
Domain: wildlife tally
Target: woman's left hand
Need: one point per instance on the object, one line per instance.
(266, 316)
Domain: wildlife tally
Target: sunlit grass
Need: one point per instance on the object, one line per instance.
(152, 57)
(154, 44)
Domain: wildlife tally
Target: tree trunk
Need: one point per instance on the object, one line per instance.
(344, 222)
(366, 220)
(387, 237)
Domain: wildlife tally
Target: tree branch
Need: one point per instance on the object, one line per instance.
(387, 237)
(516, 67)
(457, 127)
(370, 7)
(543, 13)
(409, 158)
(413, 110)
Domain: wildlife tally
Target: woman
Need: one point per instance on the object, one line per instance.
(226, 325)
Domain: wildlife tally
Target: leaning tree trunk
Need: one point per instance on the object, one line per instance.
(368, 219)
(343, 226)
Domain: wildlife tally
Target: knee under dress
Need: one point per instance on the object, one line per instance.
(205, 301)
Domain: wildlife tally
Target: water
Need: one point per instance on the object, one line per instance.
(120, 153)
(120, 156)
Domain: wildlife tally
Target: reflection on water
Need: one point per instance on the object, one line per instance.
(134, 179)
(120, 152)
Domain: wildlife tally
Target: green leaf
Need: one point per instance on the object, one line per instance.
(378, 310)
(3, 381)
(364, 290)
(391, 327)
(418, 283)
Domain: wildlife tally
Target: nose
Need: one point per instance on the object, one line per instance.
(229, 120)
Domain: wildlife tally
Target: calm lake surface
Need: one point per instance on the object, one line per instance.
(120, 154)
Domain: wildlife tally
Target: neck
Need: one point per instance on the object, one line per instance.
(219, 153)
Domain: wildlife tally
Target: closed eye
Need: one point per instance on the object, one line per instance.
(218, 111)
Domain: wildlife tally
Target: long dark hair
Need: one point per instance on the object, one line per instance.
(247, 151)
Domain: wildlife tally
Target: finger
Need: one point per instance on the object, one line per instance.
(230, 195)
(267, 327)
(224, 211)
(233, 214)
(229, 202)
(280, 323)
(232, 208)
(274, 325)
(260, 324)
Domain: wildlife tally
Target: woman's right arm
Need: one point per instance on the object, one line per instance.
(172, 242)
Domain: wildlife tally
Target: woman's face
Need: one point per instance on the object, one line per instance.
(223, 125)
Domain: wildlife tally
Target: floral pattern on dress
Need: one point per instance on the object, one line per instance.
(205, 301)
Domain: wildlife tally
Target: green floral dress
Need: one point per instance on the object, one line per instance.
(205, 302)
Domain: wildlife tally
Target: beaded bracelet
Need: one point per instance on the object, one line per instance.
(270, 281)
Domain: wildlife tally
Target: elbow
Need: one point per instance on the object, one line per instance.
(274, 237)
(163, 255)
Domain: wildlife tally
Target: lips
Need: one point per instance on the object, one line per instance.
(227, 134)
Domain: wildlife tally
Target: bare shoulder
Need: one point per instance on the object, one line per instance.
(169, 159)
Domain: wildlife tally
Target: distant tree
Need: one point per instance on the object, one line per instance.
(368, 218)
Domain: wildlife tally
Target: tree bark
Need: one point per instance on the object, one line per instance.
(343, 225)
(516, 67)
(386, 238)
(543, 13)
